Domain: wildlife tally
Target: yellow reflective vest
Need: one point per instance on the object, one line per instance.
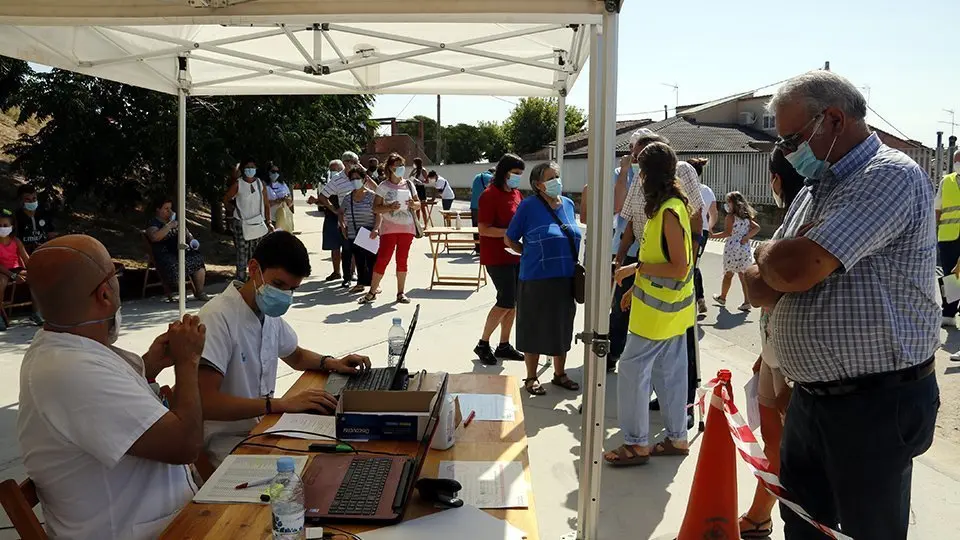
(663, 308)
(949, 228)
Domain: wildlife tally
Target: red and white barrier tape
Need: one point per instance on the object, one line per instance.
(752, 453)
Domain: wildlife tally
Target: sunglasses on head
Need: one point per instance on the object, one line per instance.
(117, 272)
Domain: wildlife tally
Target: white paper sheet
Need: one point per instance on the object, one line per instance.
(464, 523)
(512, 252)
(221, 487)
(951, 288)
(488, 484)
(403, 196)
(750, 390)
(363, 240)
(314, 423)
(489, 407)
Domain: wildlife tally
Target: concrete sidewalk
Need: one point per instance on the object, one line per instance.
(639, 503)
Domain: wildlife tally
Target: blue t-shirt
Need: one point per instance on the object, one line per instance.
(480, 183)
(546, 249)
(619, 223)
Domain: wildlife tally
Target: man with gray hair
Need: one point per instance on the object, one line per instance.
(338, 185)
(855, 314)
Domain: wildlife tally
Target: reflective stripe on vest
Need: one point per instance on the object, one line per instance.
(948, 229)
(663, 308)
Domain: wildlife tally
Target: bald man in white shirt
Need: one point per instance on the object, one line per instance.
(108, 458)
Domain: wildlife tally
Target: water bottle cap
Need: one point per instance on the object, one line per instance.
(397, 321)
(285, 464)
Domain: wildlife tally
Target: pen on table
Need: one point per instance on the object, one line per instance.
(254, 483)
(469, 418)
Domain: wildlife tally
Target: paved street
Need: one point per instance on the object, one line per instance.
(645, 502)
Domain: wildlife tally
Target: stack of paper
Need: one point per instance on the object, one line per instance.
(324, 428)
(464, 523)
(222, 485)
(488, 484)
(489, 407)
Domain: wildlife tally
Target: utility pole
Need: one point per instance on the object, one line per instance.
(826, 66)
(952, 122)
(439, 157)
(676, 92)
(665, 113)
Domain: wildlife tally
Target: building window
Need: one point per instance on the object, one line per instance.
(769, 121)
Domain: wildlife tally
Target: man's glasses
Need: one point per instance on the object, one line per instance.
(789, 144)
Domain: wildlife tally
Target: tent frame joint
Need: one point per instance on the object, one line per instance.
(612, 6)
(599, 343)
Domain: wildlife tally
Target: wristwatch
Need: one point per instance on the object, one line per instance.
(269, 405)
(323, 362)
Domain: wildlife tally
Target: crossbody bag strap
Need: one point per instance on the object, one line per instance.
(563, 227)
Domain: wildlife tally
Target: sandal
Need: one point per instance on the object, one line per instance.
(666, 448)
(367, 299)
(761, 529)
(720, 300)
(533, 387)
(626, 457)
(402, 299)
(565, 382)
(357, 289)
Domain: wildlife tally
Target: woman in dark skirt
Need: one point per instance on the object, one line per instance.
(549, 253)
(162, 232)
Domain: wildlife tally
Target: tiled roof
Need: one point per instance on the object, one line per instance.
(687, 136)
(628, 126)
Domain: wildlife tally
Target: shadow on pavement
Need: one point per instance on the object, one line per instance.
(727, 319)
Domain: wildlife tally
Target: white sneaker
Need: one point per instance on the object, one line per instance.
(719, 300)
(955, 357)
(948, 322)
(745, 306)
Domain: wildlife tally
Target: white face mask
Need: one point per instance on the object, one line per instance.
(5, 231)
(779, 200)
(113, 331)
(728, 207)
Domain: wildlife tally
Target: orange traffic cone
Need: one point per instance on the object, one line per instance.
(712, 507)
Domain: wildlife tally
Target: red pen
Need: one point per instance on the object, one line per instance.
(469, 418)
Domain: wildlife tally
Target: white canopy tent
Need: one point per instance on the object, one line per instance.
(245, 47)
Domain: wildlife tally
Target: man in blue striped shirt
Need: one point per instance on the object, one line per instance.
(855, 323)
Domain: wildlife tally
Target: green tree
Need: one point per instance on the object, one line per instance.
(411, 127)
(13, 75)
(493, 141)
(462, 144)
(533, 124)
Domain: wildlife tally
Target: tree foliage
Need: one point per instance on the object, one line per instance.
(493, 141)
(411, 127)
(533, 124)
(118, 143)
(462, 143)
(13, 73)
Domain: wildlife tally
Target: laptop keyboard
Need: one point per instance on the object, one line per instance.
(362, 487)
(374, 379)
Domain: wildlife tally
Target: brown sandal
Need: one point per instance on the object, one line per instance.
(626, 457)
(666, 448)
(533, 387)
(761, 529)
(565, 382)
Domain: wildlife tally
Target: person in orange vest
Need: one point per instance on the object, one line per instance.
(947, 206)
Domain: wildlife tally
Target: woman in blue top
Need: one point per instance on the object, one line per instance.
(544, 231)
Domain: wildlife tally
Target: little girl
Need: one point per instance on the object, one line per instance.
(13, 260)
(739, 228)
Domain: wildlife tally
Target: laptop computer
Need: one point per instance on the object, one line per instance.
(388, 378)
(369, 488)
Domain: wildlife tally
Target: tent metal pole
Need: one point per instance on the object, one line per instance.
(561, 127)
(602, 152)
(182, 182)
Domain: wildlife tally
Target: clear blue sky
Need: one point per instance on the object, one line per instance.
(713, 48)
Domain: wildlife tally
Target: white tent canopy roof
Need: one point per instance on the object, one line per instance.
(271, 47)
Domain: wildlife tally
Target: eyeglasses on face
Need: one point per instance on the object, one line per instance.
(789, 144)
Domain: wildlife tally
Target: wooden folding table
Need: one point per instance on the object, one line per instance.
(450, 236)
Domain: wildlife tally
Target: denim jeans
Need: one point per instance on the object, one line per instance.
(848, 459)
(619, 319)
(664, 364)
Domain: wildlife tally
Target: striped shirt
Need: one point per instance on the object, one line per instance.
(880, 311)
(358, 214)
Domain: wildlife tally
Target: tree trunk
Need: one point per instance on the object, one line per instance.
(216, 215)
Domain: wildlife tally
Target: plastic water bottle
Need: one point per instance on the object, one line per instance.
(458, 221)
(396, 336)
(287, 503)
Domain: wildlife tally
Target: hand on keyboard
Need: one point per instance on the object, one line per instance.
(348, 365)
(311, 400)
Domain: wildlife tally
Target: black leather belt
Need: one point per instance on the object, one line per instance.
(870, 382)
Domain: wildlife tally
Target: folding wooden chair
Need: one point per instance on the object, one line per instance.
(18, 501)
(8, 300)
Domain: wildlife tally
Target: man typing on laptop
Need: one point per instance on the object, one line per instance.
(245, 338)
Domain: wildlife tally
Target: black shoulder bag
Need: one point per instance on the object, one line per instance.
(579, 272)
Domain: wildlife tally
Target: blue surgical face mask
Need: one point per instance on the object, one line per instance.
(553, 188)
(31, 206)
(805, 162)
(274, 176)
(272, 301)
(400, 171)
(250, 172)
(635, 167)
(513, 181)
(357, 183)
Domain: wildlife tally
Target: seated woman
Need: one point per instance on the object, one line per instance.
(162, 233)
(13, 259)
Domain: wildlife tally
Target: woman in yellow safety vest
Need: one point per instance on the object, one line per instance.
(661, 309)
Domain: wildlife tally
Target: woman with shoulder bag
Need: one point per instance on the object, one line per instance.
(544, 231)
(251, 214)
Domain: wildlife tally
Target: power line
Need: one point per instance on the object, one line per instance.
(405, 106)
(514, 103)
(885, 121)
(755, 90)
